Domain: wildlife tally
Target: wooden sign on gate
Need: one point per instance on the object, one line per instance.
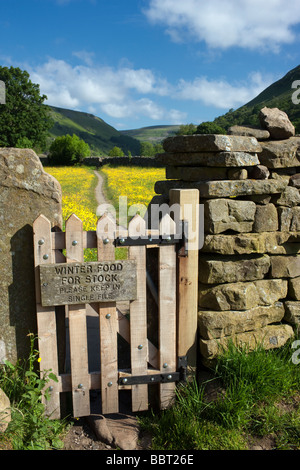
(77, 283)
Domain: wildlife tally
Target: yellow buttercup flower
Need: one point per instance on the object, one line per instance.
(136, 183)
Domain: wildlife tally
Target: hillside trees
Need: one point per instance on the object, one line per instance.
(24, 119)
(186, 129)
(67, 150)
(116, 152)
(149, 150)
(210, 128)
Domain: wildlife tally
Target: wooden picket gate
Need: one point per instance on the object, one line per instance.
(177, 312)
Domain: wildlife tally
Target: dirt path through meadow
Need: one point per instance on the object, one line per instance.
(99, 191)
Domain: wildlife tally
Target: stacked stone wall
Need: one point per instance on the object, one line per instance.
(249, 266)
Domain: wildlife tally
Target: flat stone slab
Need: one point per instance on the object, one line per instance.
(195, 173)
(211, 143)
(242, 295)
(285, 266)
(223, 269)
(205, 173)
(271, 336)
(281, 153)
(294, 288)
(210, 159)
(289, 219)
(219, 324)
(292, 312)
(228, 214)
(226, 188)
(259, 134)
(248, 243)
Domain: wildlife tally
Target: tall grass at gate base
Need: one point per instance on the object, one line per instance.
(258, 397)
(30, 428)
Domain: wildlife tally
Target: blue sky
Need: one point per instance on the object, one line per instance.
(137, 63)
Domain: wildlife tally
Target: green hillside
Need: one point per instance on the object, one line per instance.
(100, 136)
(277, 95)
(152, 134)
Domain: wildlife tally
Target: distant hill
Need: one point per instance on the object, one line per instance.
(153, 134)
(277, 95)
(100, 136)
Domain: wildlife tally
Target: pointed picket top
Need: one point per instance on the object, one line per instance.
(167, 225)
(43, 253)
(73, 219)
(42, 240)
(106, 226)
(41, 221)
(74, 239)
(137, 226)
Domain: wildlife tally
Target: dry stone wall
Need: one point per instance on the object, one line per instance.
(249, 266)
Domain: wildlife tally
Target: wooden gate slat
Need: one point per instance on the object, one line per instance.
(187, 306)
(124, 331)
(108, 319)
(167, 311)
(138, 317)
(77, 326)
(46, 319)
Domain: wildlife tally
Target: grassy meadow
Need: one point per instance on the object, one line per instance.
(136, 183)
(79, 183)
(78, 189)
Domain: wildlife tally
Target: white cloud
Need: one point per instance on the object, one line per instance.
(252, 24)
(119, 92)
(220, 93)
(126, 92)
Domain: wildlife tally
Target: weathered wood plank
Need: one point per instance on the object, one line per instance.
(124, 331)
(138, 317)
(187, 301)
(108, 318)
(77, 326)
(46, 319)
(167, 312)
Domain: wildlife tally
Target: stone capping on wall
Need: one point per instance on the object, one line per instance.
(249, 266)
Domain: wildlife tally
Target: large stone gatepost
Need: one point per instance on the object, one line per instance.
(26, 191)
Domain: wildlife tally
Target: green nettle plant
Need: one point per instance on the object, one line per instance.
(25, 386)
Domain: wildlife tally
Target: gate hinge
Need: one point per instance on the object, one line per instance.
(149, 379)
(178, 376)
